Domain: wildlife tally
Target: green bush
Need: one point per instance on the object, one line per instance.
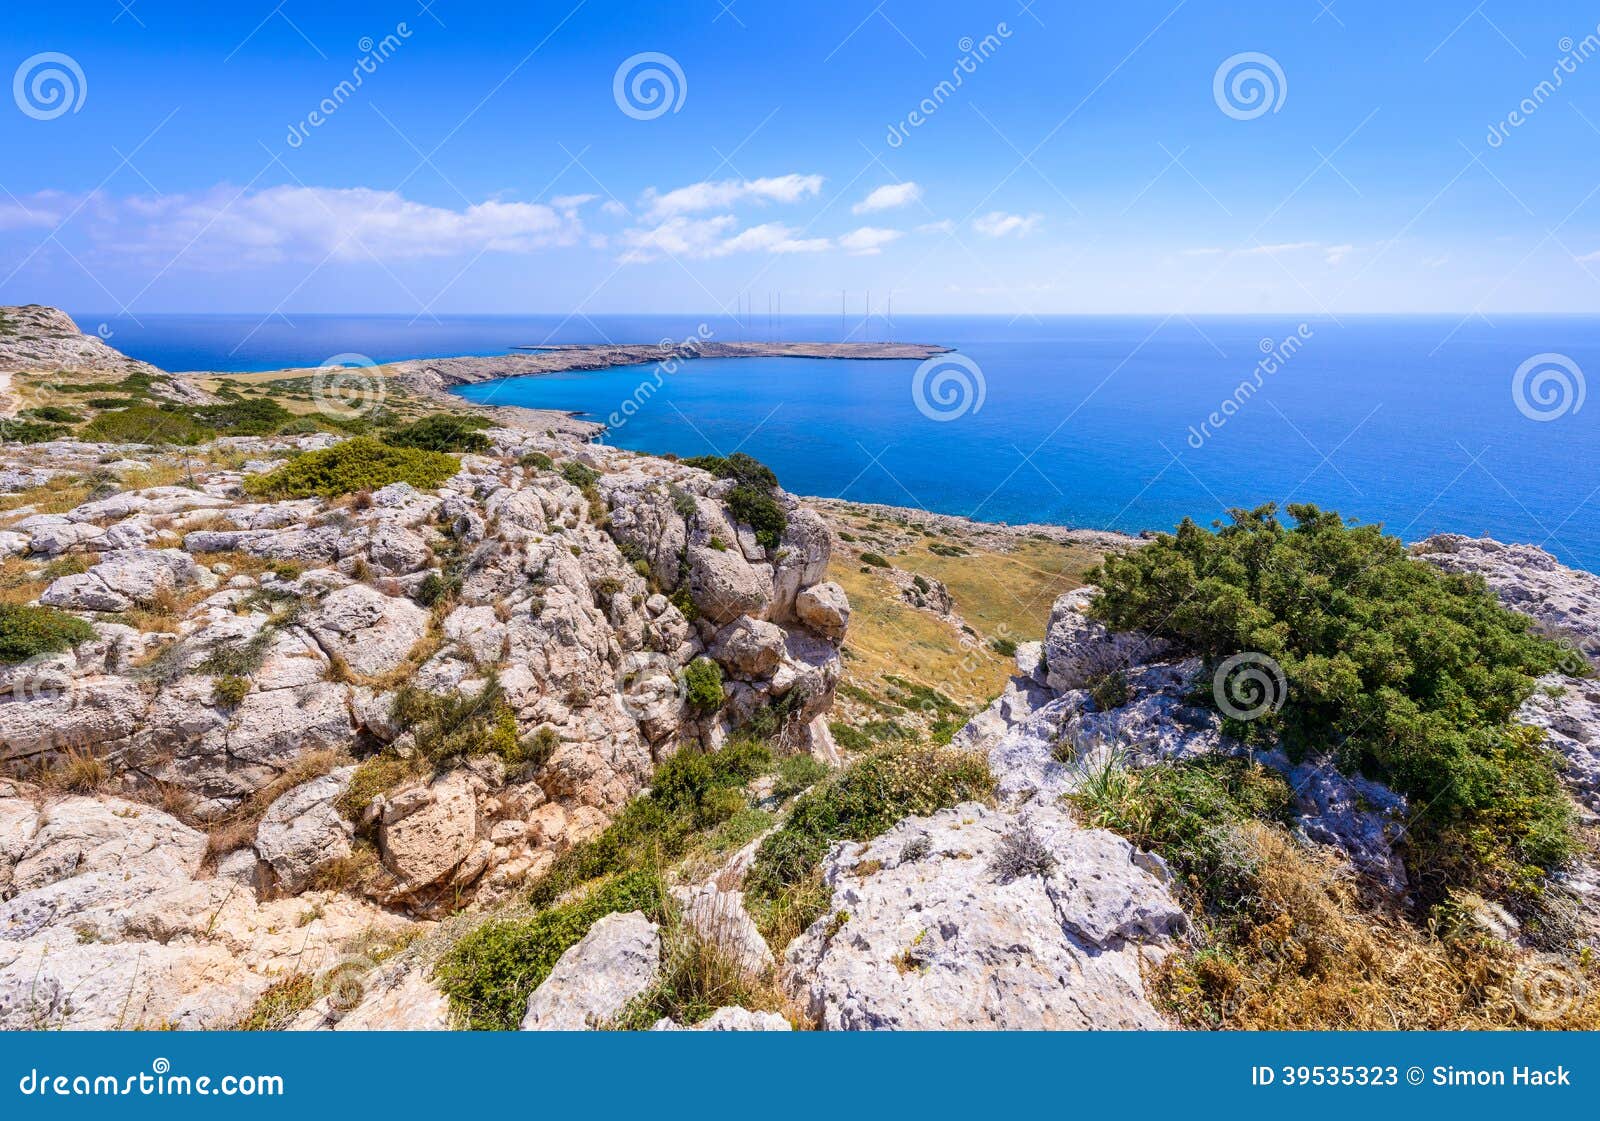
(228, 691)
(860, 802)
(1406, 674)
(360, 463)
(442, 432)
(752, 499)
(703, 680)
(688, 794)
(53, 414)
(260, 417)
(489, 974)
(447, 725)
(537, 461)
(27, 631)
(876, 560)
(29, 431)
(579, 475)
(147, 424)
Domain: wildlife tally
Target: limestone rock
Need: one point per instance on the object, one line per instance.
(732, 1018)
(825, 609)
(301, 832)
(594, 980)
(943, 941)
(1077, 648)
(372, 632)
(426, 831)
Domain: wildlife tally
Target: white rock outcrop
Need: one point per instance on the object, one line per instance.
(618, 960)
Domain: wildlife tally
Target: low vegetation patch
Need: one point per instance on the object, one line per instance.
(27, 631)
(489, 974)
(860, 802)
(1404, 673)
(692, 792)
(442, 432)
(357, 464)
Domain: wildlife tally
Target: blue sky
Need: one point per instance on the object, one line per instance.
(1086, 163)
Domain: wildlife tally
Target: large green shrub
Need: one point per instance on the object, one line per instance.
(442, 432)
(26, 631)
(1406, 674)
(360, 463)
(147, 424)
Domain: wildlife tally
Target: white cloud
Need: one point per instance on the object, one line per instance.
(1203, 251)
(997, 223)
(680, 236)
(724, 193)
(868, 240)
(888, 197)
(227, 226)
(571, 202)
(943, 226)
(614, 208)
(1335, 254)
(1279, 247)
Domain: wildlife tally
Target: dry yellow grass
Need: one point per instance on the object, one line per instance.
(1314, 958)
(1000, 592)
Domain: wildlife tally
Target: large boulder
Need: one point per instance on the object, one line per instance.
(618, 959)
(749, 647)
(934, 926)
(372, 632)
(302, 833)
(825, 609)
(1078, 649)
(425, 832)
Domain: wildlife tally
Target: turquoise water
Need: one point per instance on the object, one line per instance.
(1087, 421)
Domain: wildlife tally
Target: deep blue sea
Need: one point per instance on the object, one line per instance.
(1086, 421)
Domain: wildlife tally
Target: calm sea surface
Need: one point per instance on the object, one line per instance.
(1088, 421)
